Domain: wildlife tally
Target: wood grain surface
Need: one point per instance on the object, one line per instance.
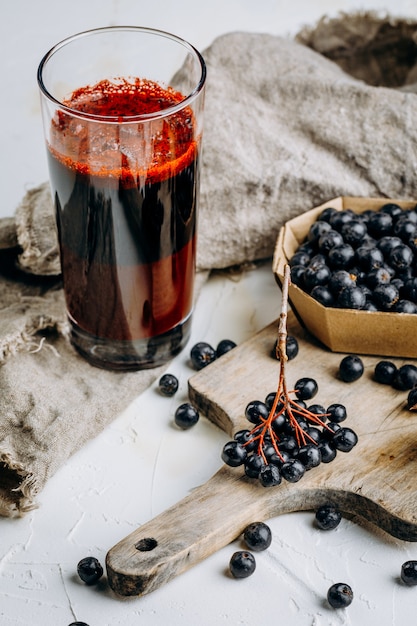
(376, 480)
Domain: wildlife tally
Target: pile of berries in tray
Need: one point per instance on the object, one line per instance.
(363, 261)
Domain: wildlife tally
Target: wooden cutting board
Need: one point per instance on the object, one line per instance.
(376, 480)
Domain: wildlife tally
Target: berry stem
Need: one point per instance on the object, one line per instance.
(282, 396)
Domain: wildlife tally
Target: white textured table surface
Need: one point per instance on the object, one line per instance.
(141, 464)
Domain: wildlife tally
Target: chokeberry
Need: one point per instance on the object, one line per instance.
(293, 470)
(242, 564)
(327, 451)
(336, 413)
(253, 465)
(351, 297)
(339, 595)
(385, 372)
(186, 416)
(257, 536)
(412, 400)
(309, 455)
(225, 345)
(351, 368)
(328, 517)
(256, 411)
(78, 624)
(305, 388)
(409, 573)
(89, 569)
(168, 384)
(345, 439)
(269, 475)
(291, 347)
(202, 354)
(405, 377)
(234, 453)
(323, 295)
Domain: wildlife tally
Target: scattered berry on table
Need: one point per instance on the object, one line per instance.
(89, 570)
(242, 564)
(202, 354)
(225, 345)
(351, 368)
(168, 384)
(328, 517)
(405, 377)
(412, 400)
(409, 573)
(340, 595)
(257, 536)
(186, 416)
(385, 372)
(78, 624)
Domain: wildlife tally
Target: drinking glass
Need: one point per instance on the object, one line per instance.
(122, 111)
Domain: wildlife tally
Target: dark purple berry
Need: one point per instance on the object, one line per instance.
(256, 411)
(168, 384)
(379, 224)
(253, 465)
(293, 470)
(323, 295)
(317, 229)
(341, 257)
(328, 517)
(327, 451)
(186, 416)
(351, 368)
(78, 624)
(309, 455)
(412, 400)
(405, 306)
(329, 240)
(345, 439)
(305, 388)
(405, 377)
(269, 475)
(409, 573)
(89, 570)
(234, 454)
(393, 209)
(202, 354)
(242, 564)
(351, 298)
(336, 413)
(225, 345)
(257, 536)
(340, 595)
(291, 347)
(385, 372)
(353, 232)
(317, 274)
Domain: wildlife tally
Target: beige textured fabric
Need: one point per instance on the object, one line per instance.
(285, 129)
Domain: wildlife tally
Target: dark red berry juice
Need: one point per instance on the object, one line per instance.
(125, 196)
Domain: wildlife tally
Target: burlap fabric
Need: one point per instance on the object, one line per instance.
(288, 124)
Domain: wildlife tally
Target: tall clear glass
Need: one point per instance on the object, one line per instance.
(122, 112)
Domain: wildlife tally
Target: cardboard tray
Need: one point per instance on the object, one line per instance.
(344, 330)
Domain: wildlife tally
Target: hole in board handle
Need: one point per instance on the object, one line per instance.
(146, 545)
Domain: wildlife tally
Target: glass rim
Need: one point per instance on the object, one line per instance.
(125, 119)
